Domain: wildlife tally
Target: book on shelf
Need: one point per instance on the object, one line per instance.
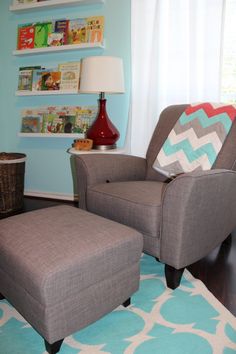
(37, 79)
(25, 36)
(70, 75)
(55, 39)
(95, 29)
(58, 119)
(50, 80)
(52, 123)
(30, 124)
(42, 31)
(25, 77)
(77, 31)
(85, 116)
(61, 28)
(31, 120)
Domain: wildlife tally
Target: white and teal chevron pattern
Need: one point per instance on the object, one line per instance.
(196, 139)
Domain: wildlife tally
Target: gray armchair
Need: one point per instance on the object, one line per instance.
(181, 220)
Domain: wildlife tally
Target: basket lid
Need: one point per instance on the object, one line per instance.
(11, 157)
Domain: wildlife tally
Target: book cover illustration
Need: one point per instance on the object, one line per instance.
(85, 116)
(31, 120)
(30, 124)
(50, 80)
(55, 39)
(77, 31)
(25, 80)
(37, 79)
(52, 123)
(61, 27)
(26, 37)
(58, 119)
(42, 31)
(69, 123)
(25, 77)
(70, 75)
(95, 29)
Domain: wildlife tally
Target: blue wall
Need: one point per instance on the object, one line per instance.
(48, 168)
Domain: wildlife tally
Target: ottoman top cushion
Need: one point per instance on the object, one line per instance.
(55, 252)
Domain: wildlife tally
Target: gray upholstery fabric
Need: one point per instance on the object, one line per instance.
(198, 213)
(120, 201)
(63, 267)
(94, 169)
(183, 241)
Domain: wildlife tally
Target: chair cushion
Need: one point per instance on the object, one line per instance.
(196, 139)
(137, 204)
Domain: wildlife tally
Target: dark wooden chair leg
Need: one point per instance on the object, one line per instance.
(2, 297)
(127, 302)
(228, 240)
(173, 276)
(54, 347)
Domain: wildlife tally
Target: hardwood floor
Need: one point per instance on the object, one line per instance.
(218, 273)
(217, 270)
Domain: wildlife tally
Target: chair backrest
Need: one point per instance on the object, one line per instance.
(226, 158)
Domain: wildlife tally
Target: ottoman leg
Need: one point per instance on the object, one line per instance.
(1, 297)
(127, 302)
(54, 347)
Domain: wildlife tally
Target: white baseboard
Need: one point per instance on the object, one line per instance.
(50, 195)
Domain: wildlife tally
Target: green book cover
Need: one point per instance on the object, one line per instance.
(42, 31)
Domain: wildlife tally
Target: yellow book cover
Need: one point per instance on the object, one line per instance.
(70, 74)
(77, 33)
(95, 29)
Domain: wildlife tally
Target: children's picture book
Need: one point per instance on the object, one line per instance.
(61, 26)
(25, 77)
(85, 116)
(52, 123)
(25, 80)
(70, 75)
(31, 120)
(58, 119)
(55, 39)
(68, 123)
(95, 29)
(25, 36)
(77, 31)
(42, 31)
(30, 124)
(50, 80)
(37, 79)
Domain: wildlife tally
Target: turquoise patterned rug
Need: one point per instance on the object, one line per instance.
(188, 320)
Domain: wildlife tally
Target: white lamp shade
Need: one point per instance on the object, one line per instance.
(102, 74)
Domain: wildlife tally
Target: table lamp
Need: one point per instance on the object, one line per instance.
(102, 74)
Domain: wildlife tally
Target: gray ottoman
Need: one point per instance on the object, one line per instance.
(63, 268)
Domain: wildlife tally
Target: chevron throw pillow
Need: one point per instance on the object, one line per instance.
(196, 139)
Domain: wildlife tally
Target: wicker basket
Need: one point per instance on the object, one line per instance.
(12, 172)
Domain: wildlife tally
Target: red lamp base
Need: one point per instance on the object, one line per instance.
(103, 133)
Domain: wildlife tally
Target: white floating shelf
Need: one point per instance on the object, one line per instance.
(45, 93)
(52, 3)
(61, 48)
(51, 135)
(73, 151)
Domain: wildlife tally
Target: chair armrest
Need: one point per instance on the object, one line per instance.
(101, 168)
(198, 213)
